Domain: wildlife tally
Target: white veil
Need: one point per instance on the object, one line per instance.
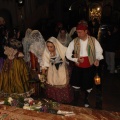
(38, 44)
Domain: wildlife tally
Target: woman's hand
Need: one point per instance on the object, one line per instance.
(43, 71)
(42, 78)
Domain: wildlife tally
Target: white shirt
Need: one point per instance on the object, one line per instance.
(83, 50)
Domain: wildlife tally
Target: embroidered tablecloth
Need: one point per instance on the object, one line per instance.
(81, 113)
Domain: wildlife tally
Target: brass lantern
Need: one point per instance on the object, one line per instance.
(97, 79)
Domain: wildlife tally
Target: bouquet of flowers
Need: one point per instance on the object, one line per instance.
(44, 105)
(18, 102)
(30, 104)
(25, 103)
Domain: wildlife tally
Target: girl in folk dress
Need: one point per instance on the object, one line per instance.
(54, 65)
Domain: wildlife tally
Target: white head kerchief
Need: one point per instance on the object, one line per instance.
(64, 41)
(61, 50)
(38, 44)
(26, 44)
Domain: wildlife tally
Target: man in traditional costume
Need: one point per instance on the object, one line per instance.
(87, 54)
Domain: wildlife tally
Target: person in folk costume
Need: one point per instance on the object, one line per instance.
(87, 54)
(54, 66)
(64, 37)
(73, 34)
(36, 49)
(26, 44)
(14, 75)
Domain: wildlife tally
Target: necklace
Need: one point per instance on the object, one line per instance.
(52, 54)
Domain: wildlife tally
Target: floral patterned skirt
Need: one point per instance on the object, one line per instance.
(61, 95)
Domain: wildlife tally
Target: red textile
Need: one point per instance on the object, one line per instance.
(61, 95)
(85, 63)
(33, 60)
(81, 27)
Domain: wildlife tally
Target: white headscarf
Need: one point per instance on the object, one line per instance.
(61, 50)
(28, 32)
(64, 41)
(38, 44)
(26, 44)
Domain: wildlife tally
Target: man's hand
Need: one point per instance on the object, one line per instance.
(80, 60)
(75, 55)
(96, 63)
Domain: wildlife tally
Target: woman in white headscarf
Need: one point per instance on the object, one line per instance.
(36, 49)
(64, 37)
(54, 65)
(26, 44)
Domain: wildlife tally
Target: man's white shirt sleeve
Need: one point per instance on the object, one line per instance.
(69, 52)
